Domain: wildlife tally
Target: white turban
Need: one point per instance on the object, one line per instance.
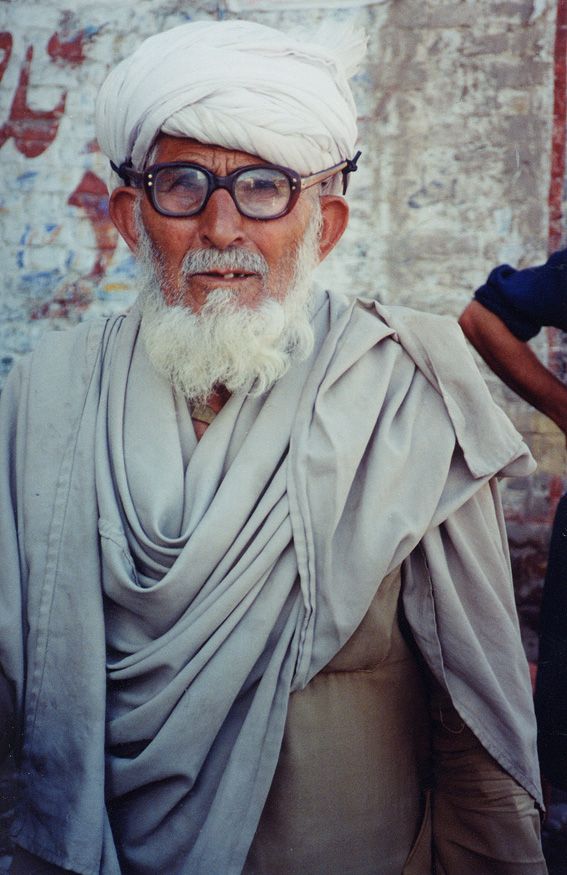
(235, 84)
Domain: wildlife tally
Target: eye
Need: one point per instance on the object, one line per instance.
(265, 183)
(180, 188)
(180, 179)
(262, 191)
(265, 186)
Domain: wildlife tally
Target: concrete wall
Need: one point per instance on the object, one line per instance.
(456, 102)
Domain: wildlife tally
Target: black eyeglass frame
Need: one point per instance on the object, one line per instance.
(145, 179)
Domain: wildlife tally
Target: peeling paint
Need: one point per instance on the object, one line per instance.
(69, 51)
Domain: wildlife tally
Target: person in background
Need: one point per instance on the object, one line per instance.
(505, 314)
(256, 608)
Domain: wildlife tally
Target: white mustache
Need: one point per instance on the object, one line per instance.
(234, 259)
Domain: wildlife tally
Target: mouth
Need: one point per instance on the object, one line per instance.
(220, 276)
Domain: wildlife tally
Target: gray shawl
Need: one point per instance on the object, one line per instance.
(233, 570)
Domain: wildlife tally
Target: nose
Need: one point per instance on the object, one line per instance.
(221, 224)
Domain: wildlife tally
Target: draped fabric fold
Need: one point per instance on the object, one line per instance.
(202, 607)
(235, 568)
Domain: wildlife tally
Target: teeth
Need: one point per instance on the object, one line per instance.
(228, 276)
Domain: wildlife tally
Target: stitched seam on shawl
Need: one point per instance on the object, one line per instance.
(431, 600)
(299, 509)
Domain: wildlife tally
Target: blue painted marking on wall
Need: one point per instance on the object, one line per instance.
(26, 181)
(127, 267)
(41, 283)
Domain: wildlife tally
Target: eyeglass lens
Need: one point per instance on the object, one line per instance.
(259, 192)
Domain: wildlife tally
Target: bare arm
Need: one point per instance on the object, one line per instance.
(515, 363)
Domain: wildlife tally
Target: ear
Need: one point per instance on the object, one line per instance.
(335, 213)
(121, 208)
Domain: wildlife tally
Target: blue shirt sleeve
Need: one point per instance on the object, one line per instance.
(525, 300)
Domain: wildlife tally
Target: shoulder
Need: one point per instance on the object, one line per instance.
(418, 322)
(438, 349)
(67, 355)
(425, 337)
(77, 347)
(49, 385)
(370, 309)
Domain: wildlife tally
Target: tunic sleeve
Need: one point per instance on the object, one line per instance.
(459, 601)
(525, 300)
(484, 822)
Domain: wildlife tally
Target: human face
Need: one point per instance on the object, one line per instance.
(221, 226)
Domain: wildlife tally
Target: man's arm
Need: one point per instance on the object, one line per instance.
(515, 363)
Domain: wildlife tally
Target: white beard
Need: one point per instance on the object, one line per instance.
(228, 344)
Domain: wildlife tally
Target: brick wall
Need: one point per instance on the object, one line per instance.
(456, 103)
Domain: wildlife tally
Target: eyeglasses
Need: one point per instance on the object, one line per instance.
(260, 191)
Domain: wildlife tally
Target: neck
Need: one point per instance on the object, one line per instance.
(204, 412)
(218, 398)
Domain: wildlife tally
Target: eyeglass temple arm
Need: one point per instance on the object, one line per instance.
(348, 166)
(127, 173)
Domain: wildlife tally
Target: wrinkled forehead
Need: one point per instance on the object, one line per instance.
(217, 158)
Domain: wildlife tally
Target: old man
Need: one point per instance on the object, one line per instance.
(256, 605)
